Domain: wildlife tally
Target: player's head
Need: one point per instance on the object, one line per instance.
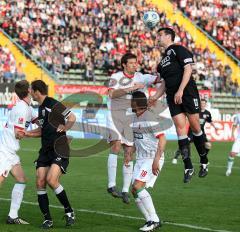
(166, 36)
(203, 104)
(139, 101)
(129, 63)
(22, 89)
(38, 89)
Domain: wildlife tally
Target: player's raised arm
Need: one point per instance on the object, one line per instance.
(159, 153)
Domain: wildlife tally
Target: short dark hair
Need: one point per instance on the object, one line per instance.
(127, 57)
(140, 99)
(168, 31)
(40, 86)
(204, 100)
(22, 89)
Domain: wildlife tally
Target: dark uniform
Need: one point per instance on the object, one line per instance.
(204, 116)
(55, 148)
(171, 69)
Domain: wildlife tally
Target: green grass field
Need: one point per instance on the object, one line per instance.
(210, 204)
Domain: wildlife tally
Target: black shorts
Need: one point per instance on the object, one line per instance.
(49, 157)
(190, 104)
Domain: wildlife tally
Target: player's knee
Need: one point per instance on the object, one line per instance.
(21, 179)
(208, 145)
(41, 183)
(115, 148)
(232, 154)
(52, 182)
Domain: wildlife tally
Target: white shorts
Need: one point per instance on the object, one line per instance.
(143, 171)
(118, 128)
(236, 146)
(7, 161)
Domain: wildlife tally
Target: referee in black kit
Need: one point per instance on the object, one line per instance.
(175, 70)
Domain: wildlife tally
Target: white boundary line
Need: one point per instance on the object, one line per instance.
(124, 216)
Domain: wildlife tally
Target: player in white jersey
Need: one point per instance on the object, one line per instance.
(122, 84)
(236, 145)
(150, 142)
(19, 118)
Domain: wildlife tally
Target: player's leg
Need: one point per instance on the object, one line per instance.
(2, 178)
(199, 142)
(142, 179)
(208, 146)
(115, 147)
(234, 152)
(127, 172)
(53, 180)
(17, 195)
(176, 155)
(145, 204)
(43, 201)
(184, 145)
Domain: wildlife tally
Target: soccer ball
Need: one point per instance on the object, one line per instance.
(151, 19)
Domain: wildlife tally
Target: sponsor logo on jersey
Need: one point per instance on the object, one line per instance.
(20, 120)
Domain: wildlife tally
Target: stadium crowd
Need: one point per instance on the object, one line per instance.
(92, 35)
(219, 18)
(9, 69)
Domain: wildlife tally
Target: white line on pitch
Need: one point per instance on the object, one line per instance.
(124, 216)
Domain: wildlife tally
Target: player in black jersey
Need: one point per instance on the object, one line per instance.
(54, 154)
(183, 100)
(204, 116)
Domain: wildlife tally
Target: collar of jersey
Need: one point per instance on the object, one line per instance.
(25, 102)
(128, 75)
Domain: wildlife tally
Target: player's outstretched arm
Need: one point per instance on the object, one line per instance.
(36, 133)
(160, 91)
(160, 150)
(115, 93)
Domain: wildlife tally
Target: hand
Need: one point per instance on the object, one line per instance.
(138, 86)
(155, 167)
(178, 97)
(127, 159)
(152, 101)
(61, 128)
(20, 134)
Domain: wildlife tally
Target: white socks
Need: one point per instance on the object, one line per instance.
(58, 190)
(17, 196)
(230, 163)
(112, 170)
(147, 202)
(142, 209)
(127, 176)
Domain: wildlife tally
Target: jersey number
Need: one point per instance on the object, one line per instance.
(144, 173)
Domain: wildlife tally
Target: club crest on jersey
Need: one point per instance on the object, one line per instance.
(20, 120)
(169, 52)
(43, 113)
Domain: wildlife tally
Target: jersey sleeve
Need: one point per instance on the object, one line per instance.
(20, 118)
(113, 82)
(183, 55)
(150, 79)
